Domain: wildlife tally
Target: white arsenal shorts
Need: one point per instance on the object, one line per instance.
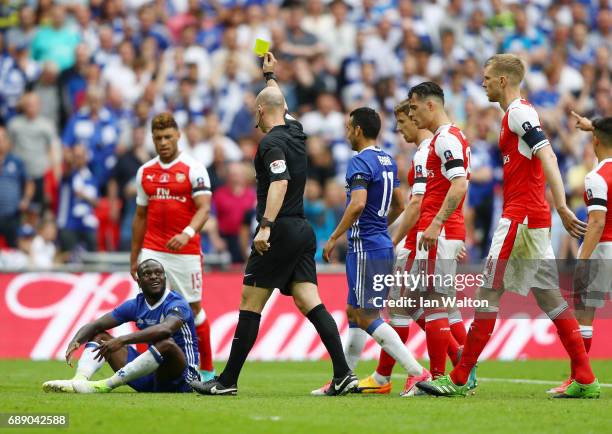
(437, 267)
(520, 258)
(403, 262)
(183, 272)
(599, 287)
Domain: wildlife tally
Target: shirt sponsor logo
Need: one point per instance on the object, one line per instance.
(180, 177)
(164, 194)
(278, 166)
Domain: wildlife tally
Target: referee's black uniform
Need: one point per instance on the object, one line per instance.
(290, 258)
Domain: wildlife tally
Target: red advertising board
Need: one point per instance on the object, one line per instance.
(40, 312)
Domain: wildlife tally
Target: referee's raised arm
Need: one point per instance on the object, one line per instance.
(268, 70)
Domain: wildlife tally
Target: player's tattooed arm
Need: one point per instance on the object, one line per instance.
(453, 198)
(88, 331)
(445, 212)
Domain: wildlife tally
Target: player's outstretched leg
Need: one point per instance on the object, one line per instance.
(307, 300)
(164, 358)
(86, 367)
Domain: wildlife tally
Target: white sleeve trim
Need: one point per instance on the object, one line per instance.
(141, 197)
(447, 145)
(198, 177)
(596, 190)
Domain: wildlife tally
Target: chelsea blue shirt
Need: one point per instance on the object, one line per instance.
(138, 310)
(373, 170)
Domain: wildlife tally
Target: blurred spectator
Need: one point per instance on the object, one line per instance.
(36, 143)
(325, 120)
(298, 43)
(17, 192)
(320, 160)
(123, 74)
(148, 27)
(23, 34)
(78, 197)
(48, 92)
(43, 251)
(122, 186)
(483, 160)
(20, 257)
(232, 201)
(478, 40)
(73, 82)
(95, 127)
(16, 75)
(56, 42)
(579, 52)
(230, 47)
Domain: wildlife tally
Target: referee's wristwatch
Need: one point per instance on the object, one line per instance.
(265, 223)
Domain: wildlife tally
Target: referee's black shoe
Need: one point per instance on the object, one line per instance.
(213, 387)
(342, 385)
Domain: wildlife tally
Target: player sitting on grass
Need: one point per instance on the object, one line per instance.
(165, 322)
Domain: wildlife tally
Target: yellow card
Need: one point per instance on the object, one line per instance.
(261, 47)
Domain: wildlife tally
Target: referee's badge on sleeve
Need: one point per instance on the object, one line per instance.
(278, 166)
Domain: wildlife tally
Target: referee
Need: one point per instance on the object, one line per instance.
(283, 250)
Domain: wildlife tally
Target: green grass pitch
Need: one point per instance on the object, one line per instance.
(274, 398)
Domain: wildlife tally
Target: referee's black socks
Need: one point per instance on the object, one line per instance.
(328, 331)
(244, 339)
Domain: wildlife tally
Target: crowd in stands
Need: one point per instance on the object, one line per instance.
(81, 80)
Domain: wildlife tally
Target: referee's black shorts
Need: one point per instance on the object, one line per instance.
(290, 258)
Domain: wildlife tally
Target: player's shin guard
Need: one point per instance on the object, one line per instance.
(244, 339)
(437, 332)
(88, 365)
(203, 333)
(477, 338)
(388, 339)
(142, 365)
(401, 325)
(568, 330)
(353, 347)
(328, 332)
